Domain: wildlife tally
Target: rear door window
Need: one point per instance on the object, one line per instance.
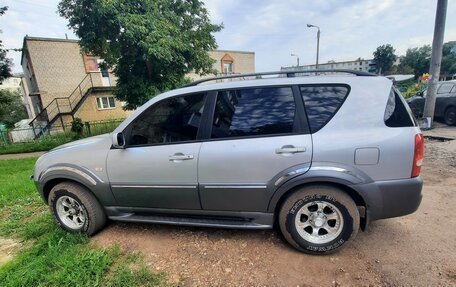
(322, 102)
(254, 112)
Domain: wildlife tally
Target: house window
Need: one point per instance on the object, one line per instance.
(104, 103)
(227, 64)
(227, 67)
(91, 64)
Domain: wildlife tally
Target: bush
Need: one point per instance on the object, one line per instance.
(77, 126)
(48, 142)
(42, 144)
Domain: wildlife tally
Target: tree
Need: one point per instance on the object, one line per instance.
(150, 44)
(5, 63)
(448, 68)
(416, 61)
(384, 58)
(11, 108)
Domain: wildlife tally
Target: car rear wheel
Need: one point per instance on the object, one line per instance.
(76, 209)
(450, 116)
(318, 219)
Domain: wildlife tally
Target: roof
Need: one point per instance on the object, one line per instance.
(283, 74)
(233, 51)
(50, 39)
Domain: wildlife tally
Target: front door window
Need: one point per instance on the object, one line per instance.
(171, 120)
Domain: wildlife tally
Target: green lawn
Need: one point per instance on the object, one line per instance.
(44, 144)
(49, 142)
(50, 256)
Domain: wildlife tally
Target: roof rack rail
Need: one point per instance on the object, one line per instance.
(289, 74)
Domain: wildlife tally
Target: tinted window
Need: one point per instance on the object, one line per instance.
(397, 112)
(251, 112)
(171, 120)
(445, 88)
(322, 102)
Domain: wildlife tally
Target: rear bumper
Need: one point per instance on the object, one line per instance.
(401, 197)
(393, 198)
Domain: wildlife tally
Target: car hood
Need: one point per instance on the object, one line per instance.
(83, 142)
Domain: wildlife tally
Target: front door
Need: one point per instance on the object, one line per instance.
(158, 167)
(256, 135)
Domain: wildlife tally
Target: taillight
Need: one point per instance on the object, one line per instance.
(418, 155)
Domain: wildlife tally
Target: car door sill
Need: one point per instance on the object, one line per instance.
(205, 218)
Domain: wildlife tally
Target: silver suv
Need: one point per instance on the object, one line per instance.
(320, 156)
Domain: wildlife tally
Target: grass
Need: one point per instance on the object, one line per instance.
(42, 144)
(14, 183)
(51, 256)
(49, 142)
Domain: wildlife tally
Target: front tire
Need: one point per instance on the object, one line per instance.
(76, 209)
(450, 116)
(318, 219)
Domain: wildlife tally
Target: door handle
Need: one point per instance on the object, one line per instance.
(287, 149)
(178, 157)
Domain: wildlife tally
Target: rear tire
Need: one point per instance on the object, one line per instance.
(450, 116)
(76, 209)
(318, 219)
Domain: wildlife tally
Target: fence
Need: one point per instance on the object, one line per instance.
(25, 135)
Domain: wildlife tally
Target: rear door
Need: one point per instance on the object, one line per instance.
(255, 135)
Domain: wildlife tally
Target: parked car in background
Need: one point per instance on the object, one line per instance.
(318, 156)
(445, 104)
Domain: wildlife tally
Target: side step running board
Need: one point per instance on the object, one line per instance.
(204, 222)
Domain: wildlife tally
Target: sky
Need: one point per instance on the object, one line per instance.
(273, 29)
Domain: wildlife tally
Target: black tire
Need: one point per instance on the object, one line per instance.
(450, 116)
(89, 207)
(305, 200)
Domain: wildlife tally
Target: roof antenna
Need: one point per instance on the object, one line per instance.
(66, 36)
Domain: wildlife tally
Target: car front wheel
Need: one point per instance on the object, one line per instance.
(318, 219)
(76, 209)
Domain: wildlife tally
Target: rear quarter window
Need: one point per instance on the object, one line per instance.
(322, 102)
(397, 112)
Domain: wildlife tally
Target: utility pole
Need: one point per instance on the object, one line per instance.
(297, 59)
(318, 42)
(436, 59)
(318, 47)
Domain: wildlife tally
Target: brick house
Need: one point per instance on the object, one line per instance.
(230, 62)
(63, 83)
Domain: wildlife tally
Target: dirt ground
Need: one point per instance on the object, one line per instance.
(416, 250)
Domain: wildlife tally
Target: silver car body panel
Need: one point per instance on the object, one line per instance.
(234, 173)
(153, 178)
(83, 161)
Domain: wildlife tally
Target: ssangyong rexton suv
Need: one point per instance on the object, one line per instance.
(320, 156)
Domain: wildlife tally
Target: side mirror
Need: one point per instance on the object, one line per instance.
(118, 140)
